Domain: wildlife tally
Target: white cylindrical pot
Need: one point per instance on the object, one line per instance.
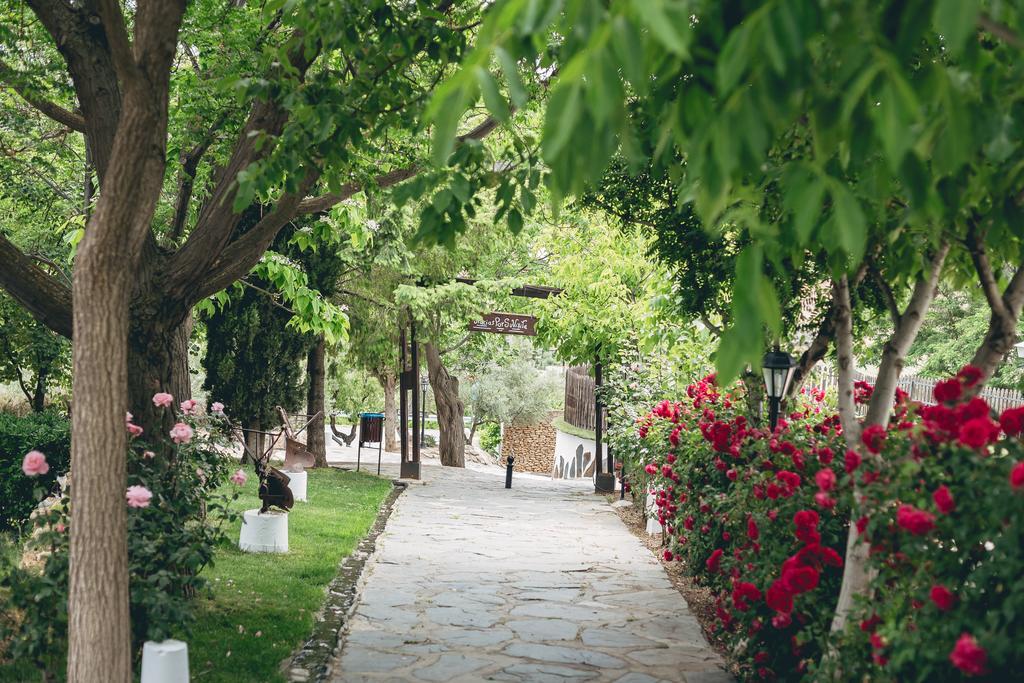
(297, 483)
(165, 662)
(266, 533)
(653, 525)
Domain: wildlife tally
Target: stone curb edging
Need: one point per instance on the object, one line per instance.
(313, 661)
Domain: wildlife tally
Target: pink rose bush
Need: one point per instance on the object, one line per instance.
(34, 464)
(178, 501)
(761, 518)
(138, 496)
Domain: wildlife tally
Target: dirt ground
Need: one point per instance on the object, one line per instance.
(699, 598)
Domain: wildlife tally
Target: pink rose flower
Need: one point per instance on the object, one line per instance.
(162, 400)
(138, 496)
(238, 478)
(217, 408)
(148, 454)
(188, 406)
(181, 433)
(34, 464)
(134, 430)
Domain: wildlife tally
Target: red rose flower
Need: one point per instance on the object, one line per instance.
(851, 461)
(868, 625)
(800, 579)
(862, 525)
(779, 598)
(917, 522)
(976, 407)
(970, 375)
(1012, 421)
(947, 391)
(667, 555)
(806, 519)
(824, 501)
(978, 432)
(944, 500)
(673, 438)
(742, 592)
(968, 656)
(942, 597)
(825, 479)
(1017, 476)
(713, 563)
(752, 531)
(873, 437)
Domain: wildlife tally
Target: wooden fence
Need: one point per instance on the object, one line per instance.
(579, 397)
(920, 389)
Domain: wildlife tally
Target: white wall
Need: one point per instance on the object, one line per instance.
(566, 446)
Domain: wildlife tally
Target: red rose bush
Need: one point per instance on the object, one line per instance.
(761, 518)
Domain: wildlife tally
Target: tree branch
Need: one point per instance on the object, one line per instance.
(903, 336)
(186, 180)
(1000, 30)
(325, 202)
(45, 298)
(59, 114)
(982, 265)
(887, 295)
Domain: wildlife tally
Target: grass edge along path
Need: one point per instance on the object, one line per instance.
(263, 605)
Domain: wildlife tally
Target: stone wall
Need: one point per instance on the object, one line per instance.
(532, 445)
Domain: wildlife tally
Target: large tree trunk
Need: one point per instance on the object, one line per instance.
(157, 361)
(39, 396)
(316, 442)
(389, 383)
(99, 630)
(452, 441)
(855, 573)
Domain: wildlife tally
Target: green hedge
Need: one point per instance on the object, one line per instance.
(48, 432)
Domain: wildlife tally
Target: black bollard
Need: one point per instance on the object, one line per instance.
(508, 473)
(622, 487)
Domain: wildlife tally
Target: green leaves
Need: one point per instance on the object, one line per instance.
(668, 21)
(955, 21)
(563, 113)
(754, 308)
(496, 104)
(849, 226)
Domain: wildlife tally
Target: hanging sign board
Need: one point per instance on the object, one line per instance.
(506, 323)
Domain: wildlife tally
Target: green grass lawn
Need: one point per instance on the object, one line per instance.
(263, 604)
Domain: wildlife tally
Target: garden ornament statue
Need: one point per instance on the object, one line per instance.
(274, 490)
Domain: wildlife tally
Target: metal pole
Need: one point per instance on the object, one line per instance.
(414, 376)
(773, 412)
(423, 412)
(402, 405)
(508, 472)
(599, 455)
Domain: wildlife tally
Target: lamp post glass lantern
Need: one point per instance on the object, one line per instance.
(424, 385)
(777, 367)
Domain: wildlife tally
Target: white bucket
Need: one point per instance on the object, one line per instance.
(165, 662)
(297, 484)
(266, 533)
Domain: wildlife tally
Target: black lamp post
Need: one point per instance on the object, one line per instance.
(424, 385)
(777, 367)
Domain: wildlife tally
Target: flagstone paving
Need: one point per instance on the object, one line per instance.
(474, 582)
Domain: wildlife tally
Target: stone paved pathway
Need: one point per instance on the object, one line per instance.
(543, 582)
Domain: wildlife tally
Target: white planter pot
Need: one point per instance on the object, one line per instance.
(165, 662)
(297, 484)
(653, 525)
(266, 533)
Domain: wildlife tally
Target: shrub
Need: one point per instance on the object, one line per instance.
(944, 516)
(177, 519)
(490, 438)
(761, 518)
(740, 506)
(48, 432)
